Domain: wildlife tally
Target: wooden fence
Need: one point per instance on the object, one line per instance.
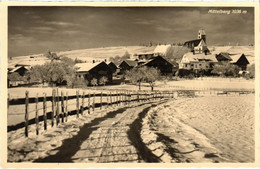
(59, 105)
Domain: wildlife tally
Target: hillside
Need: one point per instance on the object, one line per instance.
(107, 52)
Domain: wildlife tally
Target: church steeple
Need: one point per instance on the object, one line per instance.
(202, 35)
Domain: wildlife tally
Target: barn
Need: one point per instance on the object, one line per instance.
(161, 64)
(97, 70)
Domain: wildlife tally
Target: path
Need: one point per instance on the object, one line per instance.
(114, 137)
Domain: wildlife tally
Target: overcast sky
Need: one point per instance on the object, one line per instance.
(33, 30)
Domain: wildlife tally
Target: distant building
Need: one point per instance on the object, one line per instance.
(88, 71)
(144, 56)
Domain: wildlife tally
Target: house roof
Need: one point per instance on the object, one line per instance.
(156, 58)
(161, 49)
(85, 67)
(225, 55)
(236, 57)
(196, 42)
(17, 68)
(200, 57)
(132, 63)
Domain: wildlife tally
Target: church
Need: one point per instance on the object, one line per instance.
(198, 45)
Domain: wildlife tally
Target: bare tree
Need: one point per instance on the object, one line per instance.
(93, 82)
(103, 80)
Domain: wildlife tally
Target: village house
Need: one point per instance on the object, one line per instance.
(158, 62)
(198, 62)
(89, 71)
(237, 59)
(127, 65)
(240, 60)
(19, 69)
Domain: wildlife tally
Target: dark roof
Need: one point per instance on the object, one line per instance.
(166, 60)
(225, 55)
(132, 63)
(196, 42)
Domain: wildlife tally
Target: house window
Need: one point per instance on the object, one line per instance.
(192, 64)
(199, 64)
(186, 65)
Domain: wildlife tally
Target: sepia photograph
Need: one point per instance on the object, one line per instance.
(131, 84)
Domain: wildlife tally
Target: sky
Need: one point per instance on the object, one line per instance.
(34, 30)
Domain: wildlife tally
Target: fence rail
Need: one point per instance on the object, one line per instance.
(58, 111)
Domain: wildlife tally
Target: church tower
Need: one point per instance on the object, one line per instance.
(202, 35)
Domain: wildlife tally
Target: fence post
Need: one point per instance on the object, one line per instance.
(53, 106)
(8, 98)
(77, 104)
(67, 113)
(110, 99)
(26, 112)
(44, 112)
(36, 115)
(88, 103)
(101, 100)
(58, 109)
(82, 104)
(62, 107)
(93, 102)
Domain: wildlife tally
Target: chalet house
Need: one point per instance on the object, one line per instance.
(196, 62)
(19, 69)
(113, 67)
(198, 44)
(161, 64)
(127, 65)
(237, 59)
(240, 60)
(96, 70)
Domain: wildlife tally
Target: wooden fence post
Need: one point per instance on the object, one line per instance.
(93, 102)
(26, 112)
(58, 109)
(44, 112)
(101, 100)
(82, 104)
(53, 106)
(111, 99)
(36, 115)
(77, 104)
(107, 99)
(8, 98)
(88, 103)
(62, 107)
(67, 113)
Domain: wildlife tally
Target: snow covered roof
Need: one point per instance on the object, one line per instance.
(161, 49)
(235, 58)
(17, 68)
(85, 67)
(190, 57)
